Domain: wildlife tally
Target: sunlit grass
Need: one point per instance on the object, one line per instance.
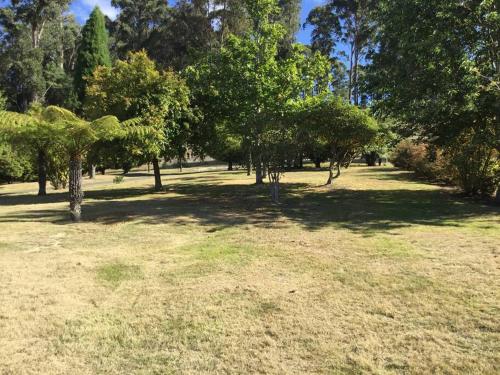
(379, 274)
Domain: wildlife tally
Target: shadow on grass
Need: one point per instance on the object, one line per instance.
(236, 205)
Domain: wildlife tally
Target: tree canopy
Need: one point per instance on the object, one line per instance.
(93, 50)
(158, 100)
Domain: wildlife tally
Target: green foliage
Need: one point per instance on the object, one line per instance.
(227, 147)
(139, 25)
(57, 167)
(62, 127)
(14, 166)
(38, 41)
(343, 130)
(475, 163)
(348, 22)
(246, 84)
(157, 102)
(384, 141)
(93, 50)
(437, 71)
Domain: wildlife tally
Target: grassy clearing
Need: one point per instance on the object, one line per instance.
(380, 274)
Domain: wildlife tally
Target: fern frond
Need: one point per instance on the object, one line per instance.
(57, 114)
(14, 119)
(107, 127)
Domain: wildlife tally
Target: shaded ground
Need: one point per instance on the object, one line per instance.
(379, 274)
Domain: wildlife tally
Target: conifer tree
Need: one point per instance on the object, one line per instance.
(93, 51)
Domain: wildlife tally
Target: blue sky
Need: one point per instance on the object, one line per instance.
(82, 8)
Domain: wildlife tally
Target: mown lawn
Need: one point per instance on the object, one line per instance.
(379, 274)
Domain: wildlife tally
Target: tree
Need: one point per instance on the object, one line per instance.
(139, 25)
(135, 88)
(289, 17)
(93, 50)
(37, 13)
(15, 164)
(35, 16)
(341, 128)
(36, 63)
(224, 146)
(350, 22)
(436, 70)
(245, 83)
(229, 17)
(379, 148)
(189, 34)
(72, 134)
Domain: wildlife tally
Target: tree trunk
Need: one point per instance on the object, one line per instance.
(180, 164)
(350, 73)
(331, 177)
(275, 191)
(317, 163)
(229, 165)
(498, 194)
(371, 159)
(103, 171)
(249, 164)
(355, 83)
(75, 187)
(259, 180)
(264, 172)
(42, 173)
(156, 168)
(91, 171)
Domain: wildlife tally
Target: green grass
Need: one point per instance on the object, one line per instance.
(379, 274)
(115, 273)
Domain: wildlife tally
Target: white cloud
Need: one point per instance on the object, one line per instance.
(105, 6)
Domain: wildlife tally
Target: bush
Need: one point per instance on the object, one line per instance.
(476, 164)
(57, 169)
(14, 166)
(413, 157)
(468, 163)
(118, 180)
(426, 161)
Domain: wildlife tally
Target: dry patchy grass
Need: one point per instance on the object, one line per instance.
(380, 274)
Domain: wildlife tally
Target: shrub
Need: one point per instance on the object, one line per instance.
(14, 166)
(57, 168)
(475, 163)
(469, 163)
(409, 155)
(118, 180)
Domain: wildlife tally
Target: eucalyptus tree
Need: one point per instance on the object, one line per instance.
(37, 43)
(346, 21)
(139, 24)
(36, 14)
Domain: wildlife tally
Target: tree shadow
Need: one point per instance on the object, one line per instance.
(133, 174)
(226, 205)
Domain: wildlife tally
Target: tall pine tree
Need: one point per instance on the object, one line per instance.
(93, 51)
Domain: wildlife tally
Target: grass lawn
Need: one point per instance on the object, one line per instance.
(380, 274)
